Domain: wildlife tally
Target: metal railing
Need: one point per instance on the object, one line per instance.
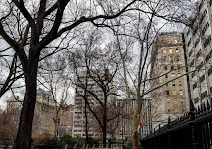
(193, 130)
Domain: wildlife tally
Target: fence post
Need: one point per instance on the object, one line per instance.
(169, 135)
(194, 140)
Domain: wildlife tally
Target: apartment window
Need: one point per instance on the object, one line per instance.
(178, 67)
(179, 74)
(171, 59)
(199, 53)
(203, 95)
(200, 66)
(169, 109)
(209, 71)
(177, 50)
(165, 68)
(170, 50)
(166, 75)
(189, 42)
(210, 2)
(164, 59)
(205, 28)
(167, 92)
(208, 56)
(173, 83)
(196, 42)
(203, 16)
(164, 51)
(181, 100)
(172, 75)
(167, 84)
(182, 109)
(196, 100)
(208, 40)
(192, 63)
(177, 59)
(172, 67)
(202, 78)
(175, 41)
(181, 92)
(188, 31)
(168, 101)
(195, 85)
(180, 83)
(190, 53)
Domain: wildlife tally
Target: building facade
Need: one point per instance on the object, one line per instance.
(167, 74)
(199, 52)
(80, 109)
(45, 112)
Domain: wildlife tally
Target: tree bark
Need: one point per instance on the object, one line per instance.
(23, 139)
(135, 140)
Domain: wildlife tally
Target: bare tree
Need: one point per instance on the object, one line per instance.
(29, 26)
(140, 37)
(96, 70)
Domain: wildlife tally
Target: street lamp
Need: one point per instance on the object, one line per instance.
(58, 124)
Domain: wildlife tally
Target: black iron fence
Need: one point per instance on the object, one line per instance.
(193, 130)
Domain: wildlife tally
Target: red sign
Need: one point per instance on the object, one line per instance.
(142, 124)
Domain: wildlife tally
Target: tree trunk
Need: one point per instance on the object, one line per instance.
(86, 123)
(104, 125)
(135, 140)
(23, 139)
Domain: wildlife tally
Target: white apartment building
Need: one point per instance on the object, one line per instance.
(199, 52)
(94, 129)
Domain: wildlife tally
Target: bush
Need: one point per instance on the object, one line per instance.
(44, 138)
(67, 139)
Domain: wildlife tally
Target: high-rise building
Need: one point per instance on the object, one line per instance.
(199, 52)
(81, 108)
(167, 74)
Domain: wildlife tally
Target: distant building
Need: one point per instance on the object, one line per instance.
(167, 69)
(44, 114)
(199, 52)
(79, 108)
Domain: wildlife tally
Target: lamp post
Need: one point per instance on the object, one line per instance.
(58, 124)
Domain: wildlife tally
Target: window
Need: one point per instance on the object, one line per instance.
(165, 68)
(203, 95)
(171, 59)
(167, 92)
(180, 83)
(195, 85)
(164, 59)
(178, 59)
(166, 75)
(177, 50)
(178, 74)
(199, 53)
(181, 92)
(181, 100)
(190, 53)
(208, 40)
(178, 67)
(196, 100)
(170, 50)
(168, 101)
(168, 109)
(173, 83)
(164, 51)
(167, 84)
(209, 71)
(175, 41)
(202, 78)
(182, 109)
(172, 67)
(172, 75)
